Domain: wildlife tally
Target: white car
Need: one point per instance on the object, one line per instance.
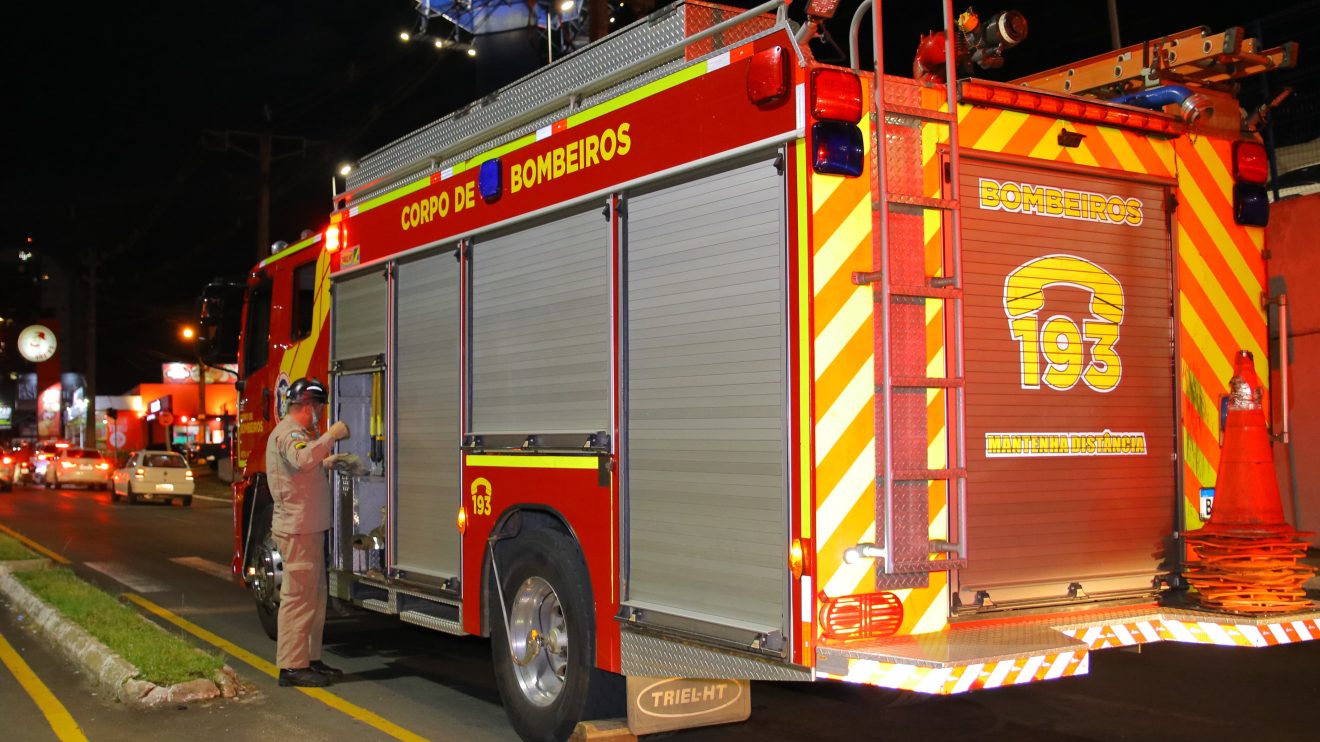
(85, 466)
(154, 475)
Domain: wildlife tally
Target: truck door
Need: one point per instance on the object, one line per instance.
(706, 355)
(1070, 413)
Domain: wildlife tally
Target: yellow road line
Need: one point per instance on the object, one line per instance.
(32, 544)
(56, 715)
(324, 696)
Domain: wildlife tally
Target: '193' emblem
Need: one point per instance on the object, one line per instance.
(1085, 352)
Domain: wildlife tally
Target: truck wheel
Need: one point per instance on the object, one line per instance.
(187, 501)
(546, 674)
(265, 584)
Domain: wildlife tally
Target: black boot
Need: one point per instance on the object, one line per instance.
(326, 670)
(304, 677)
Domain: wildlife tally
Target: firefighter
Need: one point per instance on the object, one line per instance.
(295, 462)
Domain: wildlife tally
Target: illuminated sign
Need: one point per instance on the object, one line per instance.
(6, 416)
(1059, 203)
(37, 343)
(187, 373)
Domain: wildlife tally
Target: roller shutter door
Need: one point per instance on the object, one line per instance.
(428, 431)
(541, 328)
(359, 316)
(706, 433)
(1069, 367)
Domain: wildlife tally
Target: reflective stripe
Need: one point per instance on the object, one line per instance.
(532, 461)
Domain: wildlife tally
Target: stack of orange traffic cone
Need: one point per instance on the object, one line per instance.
(1246, 559)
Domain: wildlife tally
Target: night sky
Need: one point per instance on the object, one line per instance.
(115, 123)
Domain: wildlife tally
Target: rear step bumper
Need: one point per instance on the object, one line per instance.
(1018, 651)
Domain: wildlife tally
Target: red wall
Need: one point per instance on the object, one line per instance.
(1295, 256)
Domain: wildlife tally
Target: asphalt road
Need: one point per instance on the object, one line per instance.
(442, 687)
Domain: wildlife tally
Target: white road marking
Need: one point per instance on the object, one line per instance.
(213, 499)
(134, 581)
(204, 565)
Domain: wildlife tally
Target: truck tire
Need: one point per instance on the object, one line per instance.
(547, 591)
(265, 584)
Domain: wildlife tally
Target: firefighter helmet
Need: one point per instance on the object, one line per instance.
(306, 391)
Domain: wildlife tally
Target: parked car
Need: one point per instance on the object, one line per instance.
(154, 475)
(84, 466)
(42, 457)
(22, 462)
(8, 472)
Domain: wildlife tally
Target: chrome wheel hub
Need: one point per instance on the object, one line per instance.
(538, 638)
(267, 574)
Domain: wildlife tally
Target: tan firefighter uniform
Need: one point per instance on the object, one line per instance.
(301, 491)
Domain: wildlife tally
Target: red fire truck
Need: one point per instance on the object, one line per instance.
(689, 356)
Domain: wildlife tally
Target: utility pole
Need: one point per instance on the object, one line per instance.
(266, 149)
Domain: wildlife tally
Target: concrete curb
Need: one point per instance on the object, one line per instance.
(109, 670)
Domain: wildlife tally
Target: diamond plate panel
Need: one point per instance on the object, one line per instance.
(644, 654)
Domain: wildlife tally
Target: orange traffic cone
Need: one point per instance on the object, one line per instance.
(1246, 559)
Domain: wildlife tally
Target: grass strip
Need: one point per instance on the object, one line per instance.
(163, 658)
(11, 550)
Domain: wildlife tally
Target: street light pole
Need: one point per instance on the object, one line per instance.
(190, 335)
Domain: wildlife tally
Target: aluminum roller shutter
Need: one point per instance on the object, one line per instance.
(1043, 515)
(428, 429)
(540, 348)
(359, 316)
(706, 380)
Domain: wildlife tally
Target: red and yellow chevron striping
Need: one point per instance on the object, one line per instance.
(1171, 629)
(1221, 283)
(947, 681)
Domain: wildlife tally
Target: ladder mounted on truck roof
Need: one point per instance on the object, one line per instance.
(1193, 56)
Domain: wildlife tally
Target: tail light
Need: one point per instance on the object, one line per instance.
(8, 460)
(462, 520)
(139, 473)
(1250, 163)
(1251, 170)
(66, 464)
(836, 95)
(853, 617)
(188, 474)
(102, 466)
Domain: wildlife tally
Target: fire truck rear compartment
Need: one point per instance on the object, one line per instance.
(1058, 517)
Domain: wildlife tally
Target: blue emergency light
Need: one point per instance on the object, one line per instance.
(488, 180)
(836, 148)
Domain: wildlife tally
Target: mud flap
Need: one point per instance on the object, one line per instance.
(666, 704)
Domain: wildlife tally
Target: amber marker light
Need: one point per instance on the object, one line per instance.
(462, 520)
(795, 558)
